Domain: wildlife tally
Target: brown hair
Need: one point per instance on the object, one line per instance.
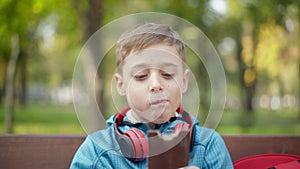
(145, 35)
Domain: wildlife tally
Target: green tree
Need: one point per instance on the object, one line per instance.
(19, 21)
(25, 20)
(260, 32)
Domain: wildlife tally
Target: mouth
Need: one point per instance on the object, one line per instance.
(159, 102)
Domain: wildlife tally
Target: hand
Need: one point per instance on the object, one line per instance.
(189, 167)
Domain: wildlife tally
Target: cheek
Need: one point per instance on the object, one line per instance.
(136, 95)
(173, 86)
(174, 92)
(135, 88)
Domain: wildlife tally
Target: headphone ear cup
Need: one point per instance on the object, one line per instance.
(139, 150)
(126, 146)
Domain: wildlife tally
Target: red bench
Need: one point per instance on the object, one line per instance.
(56, 151)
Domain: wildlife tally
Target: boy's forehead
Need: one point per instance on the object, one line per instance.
(154, 57)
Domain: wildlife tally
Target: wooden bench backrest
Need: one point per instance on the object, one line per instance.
(241, 146)
(57, 151)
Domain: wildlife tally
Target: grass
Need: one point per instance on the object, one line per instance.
(59, 119)
(284, 121)
(43, 119)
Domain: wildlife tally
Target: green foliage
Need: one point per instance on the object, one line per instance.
(48, 32)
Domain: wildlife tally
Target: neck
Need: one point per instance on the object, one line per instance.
(133, 118)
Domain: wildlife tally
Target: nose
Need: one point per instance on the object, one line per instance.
(155, 84)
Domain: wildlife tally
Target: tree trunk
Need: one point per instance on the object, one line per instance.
(23, 89)
(247, 92)
(298, 89)
(10, 87)
(241, 70)
(90, 20)
(2, 89)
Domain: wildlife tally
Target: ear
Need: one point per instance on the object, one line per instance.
(119, 84)
(185, 82)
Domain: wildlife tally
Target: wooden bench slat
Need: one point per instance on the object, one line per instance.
(241, 146)
(38, 151)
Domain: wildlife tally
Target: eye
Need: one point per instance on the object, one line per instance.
(167, 75)
(140, 77)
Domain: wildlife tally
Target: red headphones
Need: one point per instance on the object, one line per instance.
(133, 142)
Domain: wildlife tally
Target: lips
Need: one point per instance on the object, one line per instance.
(159, 101)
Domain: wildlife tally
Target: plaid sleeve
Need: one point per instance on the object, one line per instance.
(209, 150)
(85, 156)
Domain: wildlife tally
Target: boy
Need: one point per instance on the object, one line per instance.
(152, 77)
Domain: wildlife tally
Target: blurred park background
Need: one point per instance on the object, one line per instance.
(258, 42)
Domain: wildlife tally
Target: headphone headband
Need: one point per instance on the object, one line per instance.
(120, 116)
(133, 143)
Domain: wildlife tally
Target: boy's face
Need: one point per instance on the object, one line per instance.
(153, 81)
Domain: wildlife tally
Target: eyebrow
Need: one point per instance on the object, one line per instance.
(164, 64)
(143, 65)
(170, 64)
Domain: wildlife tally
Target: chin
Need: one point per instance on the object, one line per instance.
(162, 120)
(162, 117)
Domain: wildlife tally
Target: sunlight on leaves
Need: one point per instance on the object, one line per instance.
(269, 49)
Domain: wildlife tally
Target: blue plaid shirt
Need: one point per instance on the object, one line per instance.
(101, 150)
